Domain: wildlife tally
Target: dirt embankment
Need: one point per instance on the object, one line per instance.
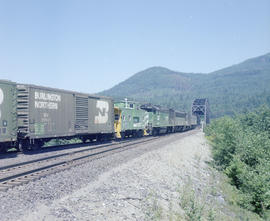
(174, 182)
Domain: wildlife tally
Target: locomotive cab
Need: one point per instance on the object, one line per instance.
(8, 125)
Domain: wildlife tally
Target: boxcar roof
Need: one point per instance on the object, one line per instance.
(6, 81)
(65, 91)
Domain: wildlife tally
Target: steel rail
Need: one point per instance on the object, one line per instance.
(61, 155)
(48, 149)
(32, 174)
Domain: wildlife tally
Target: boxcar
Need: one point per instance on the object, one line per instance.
(133, 119)
(8, 121)
(46, 113)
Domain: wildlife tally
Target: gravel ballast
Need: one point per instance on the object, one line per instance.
(130, 185)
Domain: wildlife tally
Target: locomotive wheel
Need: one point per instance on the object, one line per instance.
(140, 133)
(84, 139)
(99, 138)
(35, 146)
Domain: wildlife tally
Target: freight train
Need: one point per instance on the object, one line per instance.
(31, 115)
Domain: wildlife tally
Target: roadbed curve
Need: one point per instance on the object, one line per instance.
(119, 187)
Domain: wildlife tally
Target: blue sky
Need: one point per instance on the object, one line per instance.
(90, 46)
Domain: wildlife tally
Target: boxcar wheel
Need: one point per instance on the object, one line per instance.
(3, 149)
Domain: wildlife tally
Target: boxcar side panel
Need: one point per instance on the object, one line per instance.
(100, 115)
(51, 113)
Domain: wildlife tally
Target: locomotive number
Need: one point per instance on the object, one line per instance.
(103, 109)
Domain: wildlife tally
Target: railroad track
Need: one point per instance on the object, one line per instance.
(17, 174)
(49, 149)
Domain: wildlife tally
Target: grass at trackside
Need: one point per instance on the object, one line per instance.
(217, 201)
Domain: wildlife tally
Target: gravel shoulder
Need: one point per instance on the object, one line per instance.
(147, 183)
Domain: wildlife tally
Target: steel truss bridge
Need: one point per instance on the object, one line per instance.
(200, 107)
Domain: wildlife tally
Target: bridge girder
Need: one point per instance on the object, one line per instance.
(200, 107)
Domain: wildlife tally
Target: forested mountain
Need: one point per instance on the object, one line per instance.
(238, 88)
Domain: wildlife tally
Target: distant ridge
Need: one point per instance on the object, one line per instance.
(231, 90)
(257, 63)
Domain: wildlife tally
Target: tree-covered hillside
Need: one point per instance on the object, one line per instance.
(241, 149)
(234, 89)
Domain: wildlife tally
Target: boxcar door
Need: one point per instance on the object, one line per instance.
(81, 114)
